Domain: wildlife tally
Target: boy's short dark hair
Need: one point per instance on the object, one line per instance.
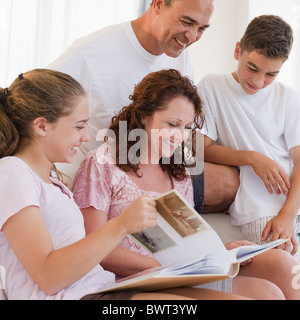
(269, 35)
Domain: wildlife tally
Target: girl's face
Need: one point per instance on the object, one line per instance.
(68, 133)
(169, 127)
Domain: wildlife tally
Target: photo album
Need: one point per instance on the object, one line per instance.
(189, 250)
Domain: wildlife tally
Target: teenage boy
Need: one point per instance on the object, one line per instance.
(253, 122)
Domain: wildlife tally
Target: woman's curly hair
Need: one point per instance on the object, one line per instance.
(151, 95)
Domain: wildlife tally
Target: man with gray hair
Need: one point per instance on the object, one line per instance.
(111, 61)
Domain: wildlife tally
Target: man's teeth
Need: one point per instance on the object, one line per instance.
(75, 148)
(180, 43)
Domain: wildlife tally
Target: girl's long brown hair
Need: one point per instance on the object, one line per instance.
(37, 93)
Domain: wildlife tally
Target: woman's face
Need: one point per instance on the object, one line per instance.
(170, 127)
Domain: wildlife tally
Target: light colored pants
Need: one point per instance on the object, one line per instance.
(253, 231)
(222, 285)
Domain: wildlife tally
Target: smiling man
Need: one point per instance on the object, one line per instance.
(172, 26)
(110, 62)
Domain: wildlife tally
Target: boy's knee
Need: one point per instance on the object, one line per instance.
(272, 292)
(257, 288)
(266, 290)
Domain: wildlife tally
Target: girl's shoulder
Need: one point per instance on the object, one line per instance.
(16, 169)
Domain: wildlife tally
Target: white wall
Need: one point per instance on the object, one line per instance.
(214, 52)
(35, 32)
(289, 10)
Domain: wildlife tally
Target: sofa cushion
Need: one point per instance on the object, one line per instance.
(220, 222)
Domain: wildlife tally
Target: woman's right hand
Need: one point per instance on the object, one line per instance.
(140, 215)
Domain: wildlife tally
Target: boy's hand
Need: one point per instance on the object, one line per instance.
(140, 215)
(281, 227)
(271, 174)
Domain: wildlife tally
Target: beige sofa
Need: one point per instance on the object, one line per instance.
(220, 222)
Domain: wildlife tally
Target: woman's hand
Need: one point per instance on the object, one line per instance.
(240, 243)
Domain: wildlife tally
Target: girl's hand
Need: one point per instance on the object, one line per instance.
(140, 215)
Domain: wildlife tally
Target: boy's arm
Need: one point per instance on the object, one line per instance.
(292, 203)
(223, 155)
(265, 168)
(282, 226)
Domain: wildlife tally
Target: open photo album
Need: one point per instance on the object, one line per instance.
(189, 250)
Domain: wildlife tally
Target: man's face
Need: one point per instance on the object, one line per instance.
(181, 24)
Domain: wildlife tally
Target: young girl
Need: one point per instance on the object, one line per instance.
(163, 102)
(43, 246)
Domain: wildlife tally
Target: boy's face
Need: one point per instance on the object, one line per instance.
(255, 71)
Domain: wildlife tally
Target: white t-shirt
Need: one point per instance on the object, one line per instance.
(20, 187)
(109, 63)
(267, 122)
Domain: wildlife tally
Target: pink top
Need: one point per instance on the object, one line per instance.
(20, 187)
(101, 184)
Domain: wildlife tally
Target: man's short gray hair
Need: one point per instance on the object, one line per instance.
(167, 3)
